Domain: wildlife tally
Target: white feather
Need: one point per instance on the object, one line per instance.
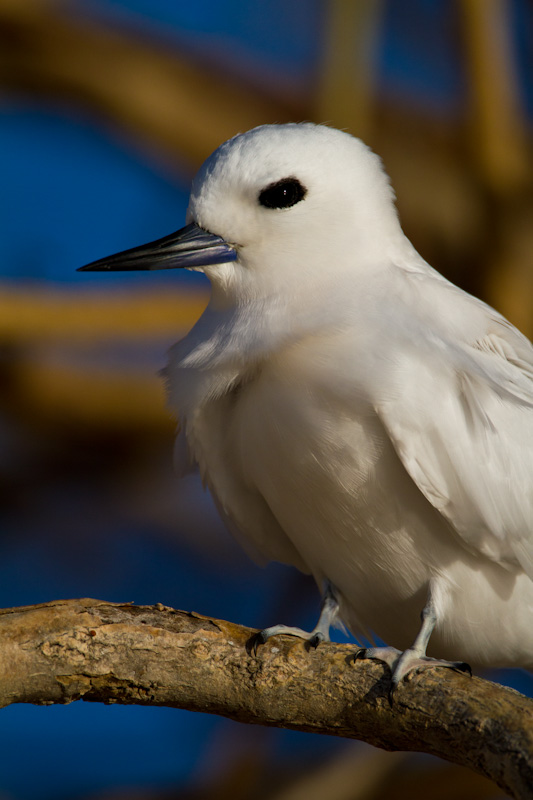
(352, 412)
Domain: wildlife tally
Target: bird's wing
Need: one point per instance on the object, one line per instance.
(461, 421)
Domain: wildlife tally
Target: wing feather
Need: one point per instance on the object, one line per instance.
(464, 432)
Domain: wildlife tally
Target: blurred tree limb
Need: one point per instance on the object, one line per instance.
(54, 314)
(152, 655)
(52, 365)
(497, 127)
(129, 79)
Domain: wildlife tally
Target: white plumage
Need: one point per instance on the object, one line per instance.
(352, 412)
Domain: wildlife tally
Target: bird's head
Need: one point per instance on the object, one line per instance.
(275, 208)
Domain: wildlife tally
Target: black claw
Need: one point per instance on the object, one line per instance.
(255, 641)
(359, 653)
(390, 695)
(315, 640)
(462, 666)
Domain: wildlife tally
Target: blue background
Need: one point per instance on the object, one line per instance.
(72, 192)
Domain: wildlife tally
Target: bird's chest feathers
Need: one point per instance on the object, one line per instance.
(280, 430)
(284, 437)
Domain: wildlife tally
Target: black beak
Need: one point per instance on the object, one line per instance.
(191, 246)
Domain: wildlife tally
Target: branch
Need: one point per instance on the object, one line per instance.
(152, 655)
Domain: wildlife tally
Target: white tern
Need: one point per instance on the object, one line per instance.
(352, 412)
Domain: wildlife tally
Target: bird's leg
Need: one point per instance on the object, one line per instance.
(320, 633)
(415, 656)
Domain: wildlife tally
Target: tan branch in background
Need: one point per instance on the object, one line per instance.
(57, 338)
(346, 87)
(152, 655)
(136, 81)
(497, 133)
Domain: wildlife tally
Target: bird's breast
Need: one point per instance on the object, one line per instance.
(327, 472)
(308, 478)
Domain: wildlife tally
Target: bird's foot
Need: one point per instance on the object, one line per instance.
(313, 638)
(320, 633)
(402, 663)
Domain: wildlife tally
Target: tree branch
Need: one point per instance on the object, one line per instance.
(152, 655)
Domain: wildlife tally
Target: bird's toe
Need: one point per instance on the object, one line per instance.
(389, 655)
(261, 637)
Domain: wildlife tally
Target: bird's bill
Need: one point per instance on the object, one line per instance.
(189, 247)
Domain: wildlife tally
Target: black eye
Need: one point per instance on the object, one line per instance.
(283, 194)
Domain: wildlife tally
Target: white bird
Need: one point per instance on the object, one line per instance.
(353, 413)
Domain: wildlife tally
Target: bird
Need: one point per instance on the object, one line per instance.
(352, 412)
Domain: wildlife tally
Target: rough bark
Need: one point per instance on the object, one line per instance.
(152, 655)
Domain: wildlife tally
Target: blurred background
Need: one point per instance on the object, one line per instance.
(107, 108)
